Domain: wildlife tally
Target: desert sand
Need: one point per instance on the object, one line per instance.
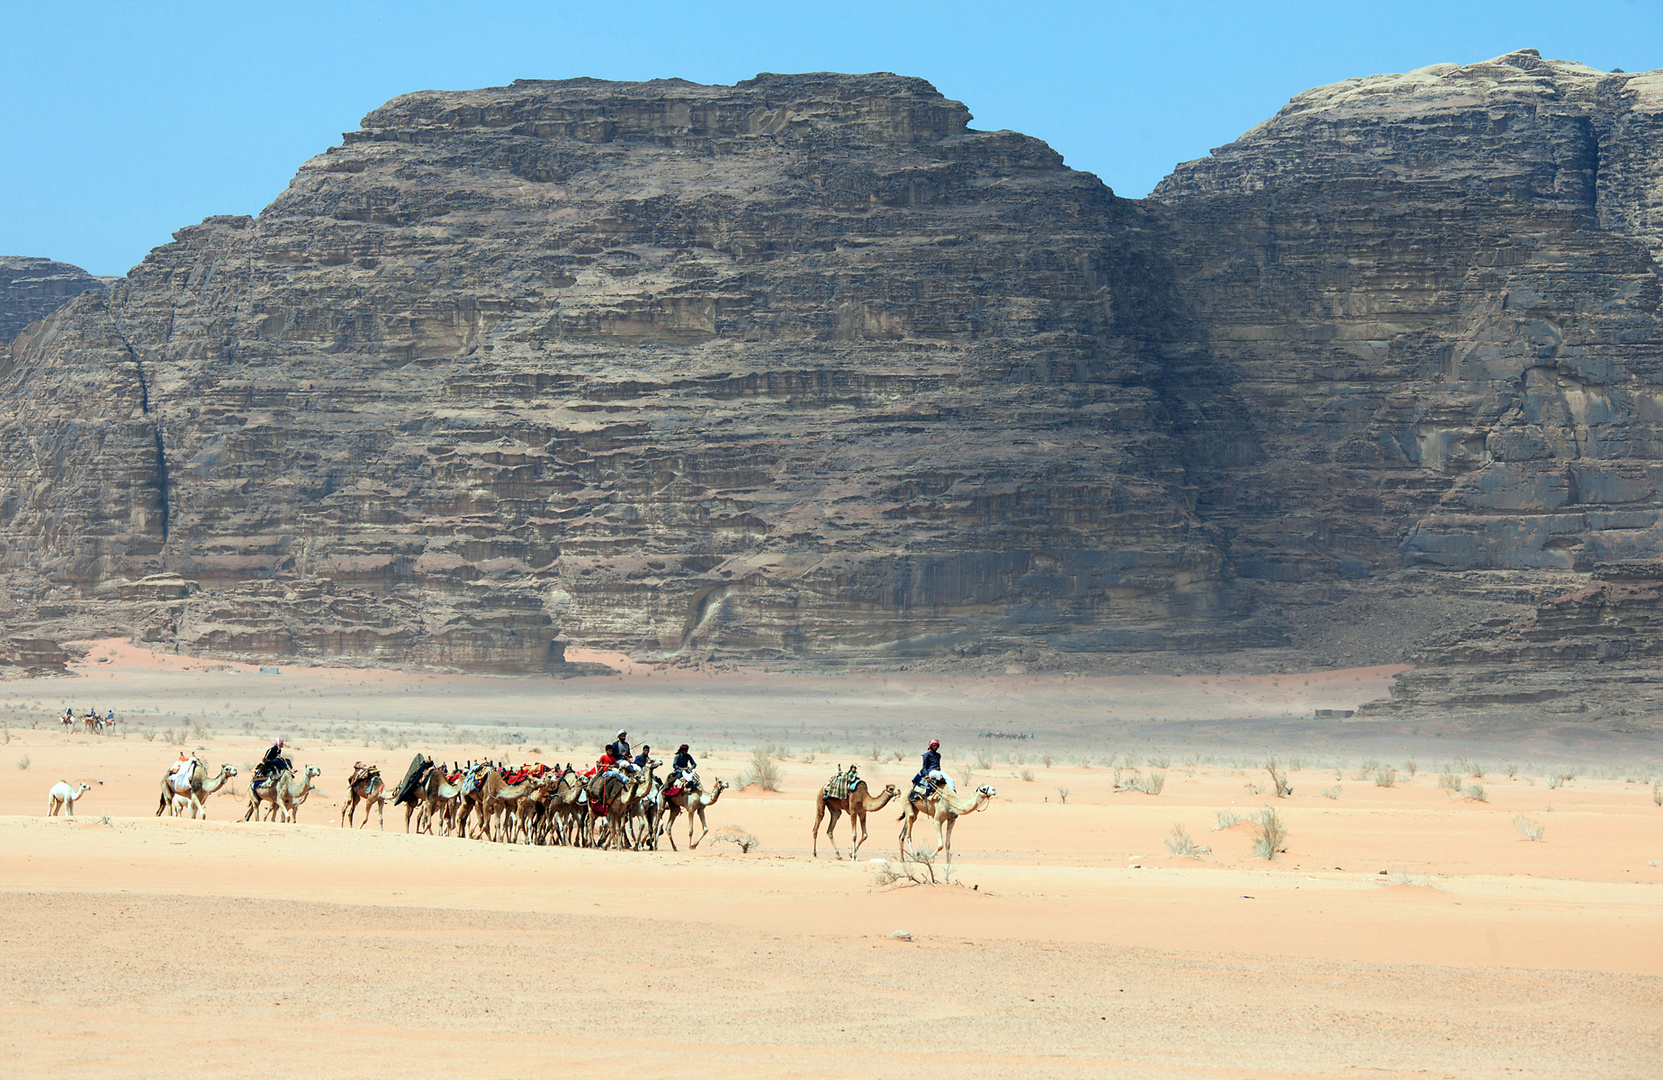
(1405, 930)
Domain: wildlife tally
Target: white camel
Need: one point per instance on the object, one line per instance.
(62, 797)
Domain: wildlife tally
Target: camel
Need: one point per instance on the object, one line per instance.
(196, 797)
(62, 797)
(372, 792)
(268, 793)
(860, 802)
(691, 803)
(287, 797)
(436, 797)
(944, 807)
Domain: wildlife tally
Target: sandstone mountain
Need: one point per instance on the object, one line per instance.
(807, 370)
(32, 289)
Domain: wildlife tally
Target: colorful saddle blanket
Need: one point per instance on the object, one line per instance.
(840, 786)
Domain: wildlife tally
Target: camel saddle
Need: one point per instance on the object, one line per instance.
(412, 779)
(841, 785)
(360, 771)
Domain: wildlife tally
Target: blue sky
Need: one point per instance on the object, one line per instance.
(124, 121)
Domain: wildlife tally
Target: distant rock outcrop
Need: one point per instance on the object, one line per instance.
(32, 289)
(807, 369)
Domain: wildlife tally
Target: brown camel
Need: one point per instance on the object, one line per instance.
(691, 805)
(944, 807)
(859, 803)
(201, 785)
(437, 797)
(369, 789)
(290, 795)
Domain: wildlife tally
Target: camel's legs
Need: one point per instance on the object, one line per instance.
(857, 821)
(704, 829)
(837, 852)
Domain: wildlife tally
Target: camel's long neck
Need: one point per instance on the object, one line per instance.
(213, 784)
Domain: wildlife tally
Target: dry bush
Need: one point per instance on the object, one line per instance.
(1158, 762)
(1062, 793)
(1470, 768)
(1410, 767)
(1657, 793)
(733, 834)
(1476, 793)
(1279, 779)
(1181, 844)
(1028, 775)
(1226, 818)
(23, 763)
(764, 773)
(1530, 829)
(876, 753)
(984, 760)
(1330, 792)
(1046, 760)
(1511, 769)
(1448, 781)
(1385, 776)
(1273, 834)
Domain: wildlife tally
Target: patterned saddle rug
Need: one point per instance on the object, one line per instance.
(841, 785)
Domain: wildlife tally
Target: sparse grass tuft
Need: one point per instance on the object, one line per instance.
(1448, 781)
(23, 763)
(1181, 844)
(1529, 829)
(1046, 760)
(984, 760)
(1555, 781)
(1330, 792)
(1385, 776)
(1657, 793)
(1511, 769)
(1028, 775)
(1273, 834)
(1476, 793)
(1225, 819)
(1062, 793)
(1410, 767)
(1158, 762)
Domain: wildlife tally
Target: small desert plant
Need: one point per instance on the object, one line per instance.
(733, 834)
(1158, 762)
(764, 772)
(1062, 793)
(984, 760)
(1279, 779)
(1657, 793)
(1028, 775)
(1448, 781)
(1470, 768)
(1296, 764)
(1410, 767)
(1046, 760)
(23, 763)
(1273, 834)
(1476, 793)
(1555, 781)
(876, 753)
(1225, 819)
(1530, 830)
(967, 778)
(1330, 792)
(1385, 776)
(1153, 783)
(1181, 844)
(1511, 769)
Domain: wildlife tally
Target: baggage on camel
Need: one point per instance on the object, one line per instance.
(412, 781)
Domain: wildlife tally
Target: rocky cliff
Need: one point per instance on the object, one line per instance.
(808, 369)
(32, 289)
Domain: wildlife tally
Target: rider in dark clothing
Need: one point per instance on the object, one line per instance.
(620, 749)
(932, 761)
(684, 761)
(644, 756)
(273, 763)
(684, 769)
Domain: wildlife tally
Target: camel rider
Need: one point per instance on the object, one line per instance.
(930, 771)
(619, 748)
(273, 763)
(685, 769)
(643, 757)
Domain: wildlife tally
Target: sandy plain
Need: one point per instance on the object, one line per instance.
(1072, 943)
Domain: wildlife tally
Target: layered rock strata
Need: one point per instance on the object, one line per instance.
(31, 289)
(806, 369)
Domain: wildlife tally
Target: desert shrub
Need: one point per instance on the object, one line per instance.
(984, 760)
(1158, 762)
(1330, 792)
(1410, 767)
(24, 763)
(1273, 833)
(1062, 793)
(1028, 775)
(1181, 844)
(876, 753)
(897, 755)
(1153, 783)
(967, 778)
(1448, 781)
(1555, 781)
(733, 834)
(1476, 793)
(1045, 759)
(1529, 829)
(1385, 776)
(764, 773)
(1511, 769)
(1278, 779)
(1657, 793)
(1225, 819)
(1296, 764)
(1470, 768)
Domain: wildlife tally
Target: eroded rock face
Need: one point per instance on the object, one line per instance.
(32, 289)
(806, 368)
